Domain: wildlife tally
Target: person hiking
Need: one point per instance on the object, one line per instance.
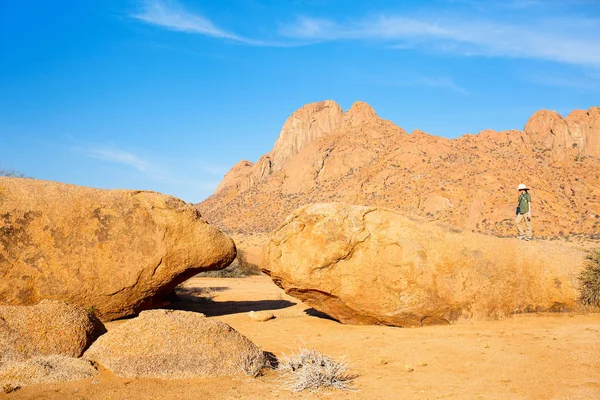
(524, 212)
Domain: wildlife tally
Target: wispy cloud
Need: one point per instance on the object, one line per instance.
(118, 156)
(171, 15)
(488, 5)
(564, 40)
(191, 179)
(434, 82)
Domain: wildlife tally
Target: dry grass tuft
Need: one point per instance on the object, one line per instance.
(589, 280)
(312, 370)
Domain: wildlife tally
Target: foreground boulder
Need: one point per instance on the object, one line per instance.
(50, 328)
(366, 265)
(115, 252)
(175, 345)
(45, 369)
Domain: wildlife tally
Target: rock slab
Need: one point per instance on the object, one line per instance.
(175, 345)
(45, 369)
(368, 265)
(115, 252)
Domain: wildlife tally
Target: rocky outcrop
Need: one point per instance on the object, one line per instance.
(49, 328)
(236, 176)
(467, 182)
(115, 252)
(360, 114)
(175, 345)
(577, 135)
(303, 127)
(367, 265)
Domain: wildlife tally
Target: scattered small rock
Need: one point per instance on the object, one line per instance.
(261, 316)
(423, 364)
(408, 368)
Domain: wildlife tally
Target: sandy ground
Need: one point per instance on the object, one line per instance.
(525, 357)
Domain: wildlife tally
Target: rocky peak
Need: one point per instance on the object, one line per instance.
(236, 175)
(576, 135)
(360, 114)
(303, 127)
(540, 124)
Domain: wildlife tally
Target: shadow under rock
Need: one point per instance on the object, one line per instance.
(319, 314)
(211, 308)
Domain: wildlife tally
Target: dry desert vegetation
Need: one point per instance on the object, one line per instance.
(353, 261)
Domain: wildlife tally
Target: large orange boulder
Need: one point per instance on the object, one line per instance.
(368, 265)
(114, 252)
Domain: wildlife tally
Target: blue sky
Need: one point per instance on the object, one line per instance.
(167, 96)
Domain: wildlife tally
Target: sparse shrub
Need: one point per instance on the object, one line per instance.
(589, 279)
(12, 173)
(312, 370)
(239, 268)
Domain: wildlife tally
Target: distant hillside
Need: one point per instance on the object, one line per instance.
(324, 154)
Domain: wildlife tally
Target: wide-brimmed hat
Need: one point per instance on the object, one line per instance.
(522, 186)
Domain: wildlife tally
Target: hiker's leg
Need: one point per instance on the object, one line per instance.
(518, 224)
(528, 225)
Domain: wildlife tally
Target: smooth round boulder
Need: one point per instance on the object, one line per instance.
(368, 265)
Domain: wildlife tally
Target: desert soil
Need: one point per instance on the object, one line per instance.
(549, 356)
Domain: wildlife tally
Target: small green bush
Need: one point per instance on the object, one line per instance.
(589, 279)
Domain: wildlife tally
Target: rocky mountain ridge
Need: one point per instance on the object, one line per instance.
(469, 182)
